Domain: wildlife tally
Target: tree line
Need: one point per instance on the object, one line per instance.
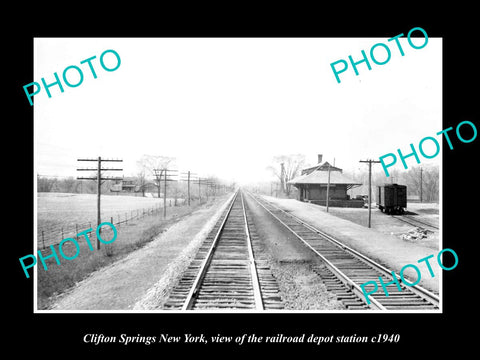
(420, 180)
(150, 178)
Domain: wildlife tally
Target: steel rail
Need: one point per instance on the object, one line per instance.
(414, 288)
(201, 274)
(429, 296)
(403, 217)
(253, 269)
(374, 304)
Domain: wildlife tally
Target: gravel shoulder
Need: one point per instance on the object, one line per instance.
(386, 249)
(291, 264)
(142, 280)
(127, 284)
(424, 212)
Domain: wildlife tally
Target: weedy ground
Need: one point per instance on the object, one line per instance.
(130, 237)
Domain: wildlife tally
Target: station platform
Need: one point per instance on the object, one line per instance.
(387, 250)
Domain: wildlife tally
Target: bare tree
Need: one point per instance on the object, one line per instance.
(69, 185)
(156, 165)
(285, 168)
(429, 176)
(429, 185)
(142, 176)
(431, 182)
(45, 184)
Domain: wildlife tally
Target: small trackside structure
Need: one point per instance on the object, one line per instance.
(392, 198)
(312, 186)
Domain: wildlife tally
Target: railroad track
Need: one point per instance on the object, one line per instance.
(414, 222)
(227, 272)
(345, 269)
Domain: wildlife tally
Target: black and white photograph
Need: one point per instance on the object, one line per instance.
(210, 191)
(296, 218)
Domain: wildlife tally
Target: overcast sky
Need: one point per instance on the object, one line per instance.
(226, 106)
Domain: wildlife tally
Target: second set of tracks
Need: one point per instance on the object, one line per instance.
(411, 220)
(229, 272)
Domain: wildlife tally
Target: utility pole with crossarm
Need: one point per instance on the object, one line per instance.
(369, 188)
(99, 178)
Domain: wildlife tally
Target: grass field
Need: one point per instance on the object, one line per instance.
(56, 209)
(61, 215)
(58, 278)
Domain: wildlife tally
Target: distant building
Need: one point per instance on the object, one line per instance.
(129, 185)
(313, 183)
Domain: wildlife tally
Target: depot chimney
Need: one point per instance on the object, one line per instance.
(320, 158)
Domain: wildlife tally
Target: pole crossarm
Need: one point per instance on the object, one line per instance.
(102, 178)
(370, 162)
(190, 176)
(99, 178)
(102, 169)
(165, 177)
(109, 160)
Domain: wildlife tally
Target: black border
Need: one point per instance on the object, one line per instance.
(432, 332)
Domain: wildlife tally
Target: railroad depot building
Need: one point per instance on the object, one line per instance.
(312, 186)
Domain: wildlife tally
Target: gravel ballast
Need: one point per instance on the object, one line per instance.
(388, 250)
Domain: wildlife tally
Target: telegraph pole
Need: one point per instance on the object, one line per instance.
(199, 191)
(188, 187)
(165, 179)
(212, 185)
(99, 179)
(205, 181)
(189, 174)
(165, 195)
(421, 189)
(369, 188)
(158, 177)
(189, 178)
(328, 185)
(200, 182)
(282, 177)
(99, 191)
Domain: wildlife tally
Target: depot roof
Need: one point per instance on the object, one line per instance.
(321, 166)
(321, 177)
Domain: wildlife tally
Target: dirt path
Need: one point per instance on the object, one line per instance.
(123, 284)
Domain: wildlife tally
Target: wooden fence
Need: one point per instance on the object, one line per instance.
(47, 236)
